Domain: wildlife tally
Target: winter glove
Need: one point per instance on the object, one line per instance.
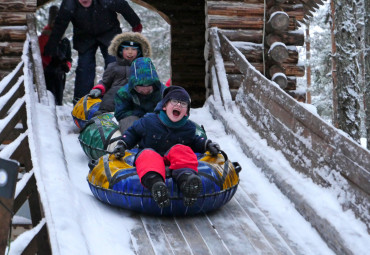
(65, 67)
(95, 93)
(138, 28)
(119, 149)
(213, 148)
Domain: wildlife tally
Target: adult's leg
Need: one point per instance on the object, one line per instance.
(85, 73)
(107, 58)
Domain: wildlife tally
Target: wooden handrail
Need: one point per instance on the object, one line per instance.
(283, 123)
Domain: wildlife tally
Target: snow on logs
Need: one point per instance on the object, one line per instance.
(274, 53)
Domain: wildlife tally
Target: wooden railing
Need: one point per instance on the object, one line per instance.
(312, 147)
(14, 139)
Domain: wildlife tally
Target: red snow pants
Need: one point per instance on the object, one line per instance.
(178, 157)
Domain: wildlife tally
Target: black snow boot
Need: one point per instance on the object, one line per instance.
(154, 182)
(190, 185)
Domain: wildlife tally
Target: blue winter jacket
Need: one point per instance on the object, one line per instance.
(130, 103)
(151, 132)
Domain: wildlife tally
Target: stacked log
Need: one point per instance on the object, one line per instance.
(13, 30)
(271, 46)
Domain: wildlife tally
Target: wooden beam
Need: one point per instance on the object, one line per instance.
(13, 18)
(18, 5)
(13, 34)
(11, 49)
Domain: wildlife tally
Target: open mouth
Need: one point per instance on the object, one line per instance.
(176, 113)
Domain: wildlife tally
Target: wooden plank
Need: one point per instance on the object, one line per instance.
(249, 228)
(175, 237)
(139, 238)
(156, 235)
(13, 121)
(17, 93)
(5, 222)
(210, 235)
(192, 236)
(12, 81)
(230, 231)
(23, 155)
(265, 226)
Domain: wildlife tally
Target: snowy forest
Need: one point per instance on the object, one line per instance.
(335, 54)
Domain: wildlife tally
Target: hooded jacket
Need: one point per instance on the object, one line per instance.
(128, 102)
(92, 25)
(117, 73)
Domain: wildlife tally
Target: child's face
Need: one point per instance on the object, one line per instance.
(176, 110)
(129, 53)
(144, 90)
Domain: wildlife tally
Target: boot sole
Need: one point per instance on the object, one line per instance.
(160, 194)
(191, 190)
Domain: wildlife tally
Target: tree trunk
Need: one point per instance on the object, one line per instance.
(334, 65)
(367, 72)
(347, 69)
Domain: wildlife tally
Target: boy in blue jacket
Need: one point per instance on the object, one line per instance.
(167, 137)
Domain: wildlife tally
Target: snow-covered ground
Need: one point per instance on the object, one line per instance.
(83, 225)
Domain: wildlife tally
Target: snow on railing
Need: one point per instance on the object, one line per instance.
(311, 146)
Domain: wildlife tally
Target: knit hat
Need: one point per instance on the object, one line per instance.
(129, 44)
(178, 93)
(53, 12)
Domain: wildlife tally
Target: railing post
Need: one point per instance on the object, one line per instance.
(8, 178)
(37, 65)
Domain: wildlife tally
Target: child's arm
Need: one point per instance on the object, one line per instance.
(123, 105)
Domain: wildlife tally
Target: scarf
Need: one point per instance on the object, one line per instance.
(165, 120)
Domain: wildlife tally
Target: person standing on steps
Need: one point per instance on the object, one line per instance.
(95, 23)
(55, 67)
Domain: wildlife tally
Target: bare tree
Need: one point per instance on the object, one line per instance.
(348, 69)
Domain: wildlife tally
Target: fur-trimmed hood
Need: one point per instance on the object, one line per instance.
(130, 36)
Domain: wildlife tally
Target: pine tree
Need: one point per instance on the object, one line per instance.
(348, 71)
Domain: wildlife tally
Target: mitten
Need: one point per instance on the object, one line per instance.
(95, 93)
(213, 148)
(65, 67)
(138, 28)
(119, 149)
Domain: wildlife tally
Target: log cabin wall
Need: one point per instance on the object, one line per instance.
(13, 29)
(270, 47)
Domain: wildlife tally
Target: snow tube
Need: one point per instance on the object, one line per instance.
(84, 110)
(115, 182)
(97, 137)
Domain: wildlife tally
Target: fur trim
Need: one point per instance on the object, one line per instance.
(130, 36)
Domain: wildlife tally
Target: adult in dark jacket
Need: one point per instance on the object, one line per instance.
(95, 23)
(140, 95)
(123, 47)
(167, 137)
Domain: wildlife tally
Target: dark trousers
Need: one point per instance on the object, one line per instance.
(85, 71)
(55, 79)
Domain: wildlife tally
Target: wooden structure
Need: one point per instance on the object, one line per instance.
(269, 45)
(242, 46)
(290, 128)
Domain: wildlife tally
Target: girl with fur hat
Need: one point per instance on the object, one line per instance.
(167, 138)
(126, 47)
